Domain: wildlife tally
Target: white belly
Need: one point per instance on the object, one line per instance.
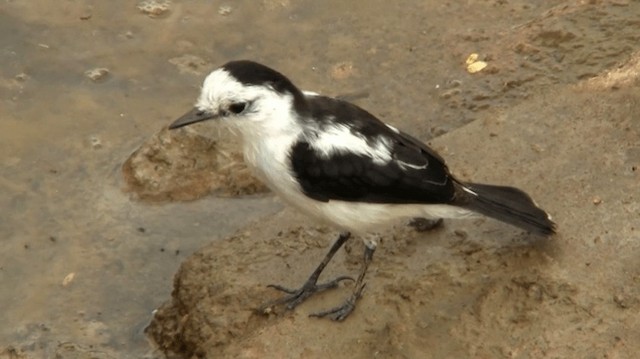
(361, 217)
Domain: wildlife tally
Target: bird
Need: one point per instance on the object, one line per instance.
(338, 163)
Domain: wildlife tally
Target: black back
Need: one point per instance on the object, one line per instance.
(416, 174)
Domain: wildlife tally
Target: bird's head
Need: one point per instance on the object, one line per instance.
(246, 95)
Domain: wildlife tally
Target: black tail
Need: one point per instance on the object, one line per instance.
(509, 205)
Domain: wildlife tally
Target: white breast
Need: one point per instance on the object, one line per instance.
(268, 157)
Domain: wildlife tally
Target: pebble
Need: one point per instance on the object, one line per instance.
(476, 67)
(97, 74)
(68, 279)
(224, 10)
(473, 65)
(95, 142)
(22, 77)
(154, 8)
(86, 15)
(622, 300)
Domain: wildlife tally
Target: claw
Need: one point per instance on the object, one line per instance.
(297, 296)
(317, 288)
(294, 297)
(339, 313)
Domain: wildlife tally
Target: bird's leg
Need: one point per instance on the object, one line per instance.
(311, 286)
(340, 312)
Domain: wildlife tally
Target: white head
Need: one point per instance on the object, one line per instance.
(249, 96)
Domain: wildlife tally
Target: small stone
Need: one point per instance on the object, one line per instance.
(68, 279)
(597, 200)
(472, 58)
(95, 142)
(476, 67)
(97, 74)
(22, 77)
(154, 8)
(224, 10)
(621, 300)
(473, 65)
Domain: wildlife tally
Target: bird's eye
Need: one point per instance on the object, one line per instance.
(237, 107)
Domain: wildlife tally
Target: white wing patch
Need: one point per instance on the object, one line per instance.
(392, 128)
(469, 191)
(339, 138)
(405, 165)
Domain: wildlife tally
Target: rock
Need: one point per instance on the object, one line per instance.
(154, 8)
(182, 165)
(97, 74)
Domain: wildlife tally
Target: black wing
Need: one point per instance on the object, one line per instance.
(415, 174)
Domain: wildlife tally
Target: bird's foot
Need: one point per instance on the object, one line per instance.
(340, 312)
(295, 297)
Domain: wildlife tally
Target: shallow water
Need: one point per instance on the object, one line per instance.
(80, 261)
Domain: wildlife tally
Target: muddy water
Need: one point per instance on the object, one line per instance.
(81, 262)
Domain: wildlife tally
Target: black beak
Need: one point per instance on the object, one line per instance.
(193, 116)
